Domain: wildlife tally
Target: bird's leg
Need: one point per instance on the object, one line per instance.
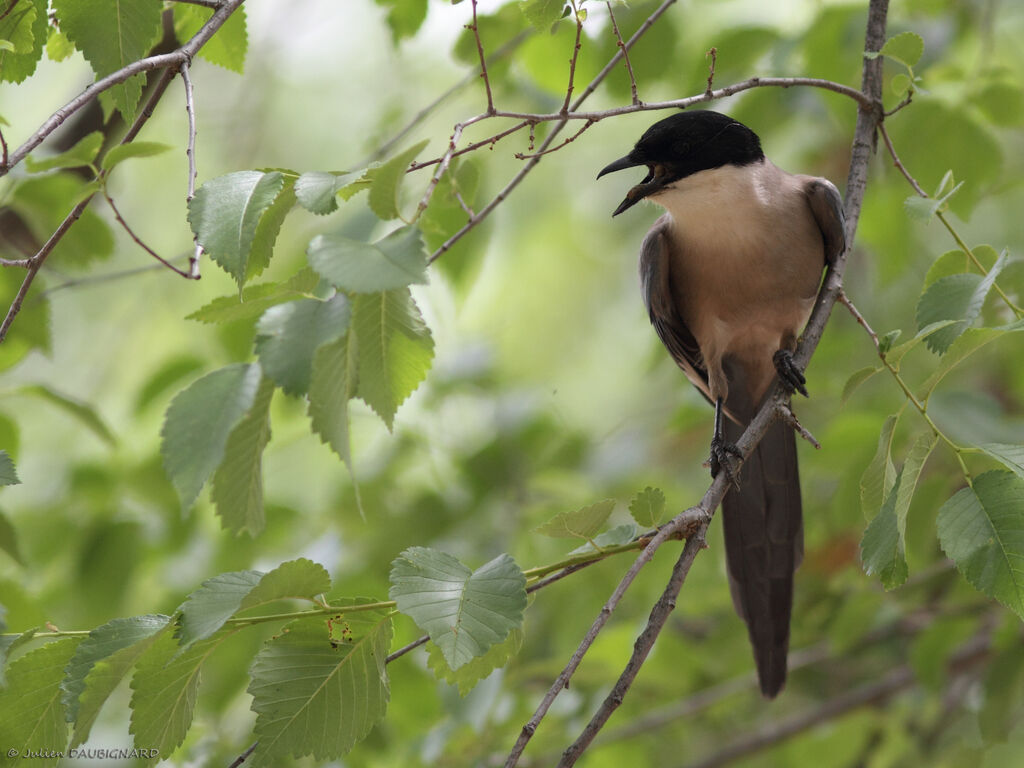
(721, 449)
(790, 375)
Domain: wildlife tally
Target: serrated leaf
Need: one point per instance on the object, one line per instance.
(969, 342)
(648, 507)
(225, 213)
(288, 335)
(881, 548)
(218, 599)
(614, 537)
(386, 180)
(895, 355)
(198, 422)
(82, 153)
(464, 612)
(121, 152)
(583, 523)
(395, 349)
(112, 34)
(31, 715)
(83, 412)
(880, 474)
(27, 23)
(542, 13)
(164, 689)
(228, 45)
(256, 299)
(9, 543)
(317, 191)
(1010, 456)
(58, 47)
(316, 696)
(856, 379)
(8, 643)
(98, 665)
(397, 260)
(269, 228)
(471, 673)
(8, 474)
(909, 474)
(950, 263)
(906, 48)
(958, 298)
(238, 482)
(332, 384)
(981, 529)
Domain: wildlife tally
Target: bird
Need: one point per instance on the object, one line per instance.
(729, 274)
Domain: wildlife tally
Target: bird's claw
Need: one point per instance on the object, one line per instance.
(722, 453)
(790, 375)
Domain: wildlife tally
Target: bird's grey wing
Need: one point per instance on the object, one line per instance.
(656, 284)
(827, 207)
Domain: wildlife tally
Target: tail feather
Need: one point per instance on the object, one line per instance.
(764, 545)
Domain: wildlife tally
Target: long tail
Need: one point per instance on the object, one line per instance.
(764, 545)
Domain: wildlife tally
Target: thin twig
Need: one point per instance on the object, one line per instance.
(790, 418)
(899, 163)
(138, 240)
(105, 278)
(193, 172)
(10, 7)
(625, 55)
(171, 60)
(523, 156)
(845, 301)
(575, 56)
(244, 756)
(713, 53)
(492, 140)
(3, 150)
(15, 262)
(905, 103)
(405, 649)
(483, 61)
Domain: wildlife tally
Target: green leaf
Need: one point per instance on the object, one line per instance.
(471, 673)
(397, 260)
(218, 599)
(881, 549)
(82, 153)
(25, 28)
(99, 664)
(465, 613)
(228, 45)
(981, 529)
(333, 383)
(906, 48)
(856, 379)
(886, 341)
(1010, 456)
(648, 507)
(167, 376)
(269, 228)
(164, 689)
(225, 213)
(121, 152)
(257, 299)
(317, 696)
(198, 422)
(317, 191)
(958, 298)
(9, 541)
(83, 412)
(8, 643)
(542, 13)
(387, 180)
(583, 523)
(895, 355)
(395, 349)
(288, 335)
(31, 715)
(8, 474)
(112, 34)
(880, 474)
(404, 16)
(58, 47)
(238, 481)
(969, 342)
(952, 262)
(911, 472)
(613, 537)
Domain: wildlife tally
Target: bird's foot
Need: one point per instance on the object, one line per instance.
(792, 377)
(722, 455)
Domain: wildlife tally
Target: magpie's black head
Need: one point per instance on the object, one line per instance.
(683, 144)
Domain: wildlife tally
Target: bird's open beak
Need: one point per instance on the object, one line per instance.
(646, 187)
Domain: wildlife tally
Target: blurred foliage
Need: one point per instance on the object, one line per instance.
(546, 392)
